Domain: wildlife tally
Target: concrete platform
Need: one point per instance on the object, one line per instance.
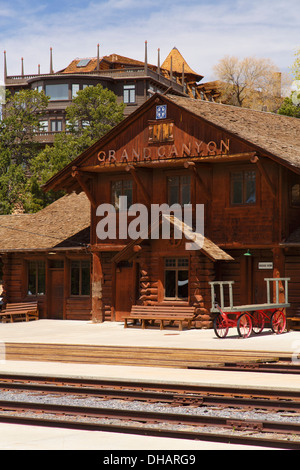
(114, 333)
(111, 333)
(80, 332)
(18, 437)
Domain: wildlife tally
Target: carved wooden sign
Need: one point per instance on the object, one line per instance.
(167, 151)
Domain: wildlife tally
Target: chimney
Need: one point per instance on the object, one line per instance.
(158, 61)
(98, 58)
(146, 58)
(277, 84)
(5, 67)
(51, 61)
(22, 66)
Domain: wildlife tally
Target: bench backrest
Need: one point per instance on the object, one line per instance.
(22, 306)
(162, 309)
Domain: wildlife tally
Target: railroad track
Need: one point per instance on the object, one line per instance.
(255, 432)
(151, 392)
(268, 434)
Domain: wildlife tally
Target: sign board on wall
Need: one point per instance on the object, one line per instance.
(265, 265)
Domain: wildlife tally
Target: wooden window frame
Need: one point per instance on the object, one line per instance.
(36, 261)
(292, 203)
(131, 89)
(242, 171)
(80, 261)
(176, 268)
(120, 179)
(179, 175)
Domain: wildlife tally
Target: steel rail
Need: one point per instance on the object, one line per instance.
(176, 394)
(69, 419)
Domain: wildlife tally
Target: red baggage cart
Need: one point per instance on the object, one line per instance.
(249, 318)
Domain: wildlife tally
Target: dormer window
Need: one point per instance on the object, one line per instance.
(83, 62)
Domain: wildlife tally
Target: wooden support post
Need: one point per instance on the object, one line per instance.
(264, 175)
(97, 281)
(139, 183)
(278, 271)
(191, 166)
(76, 174)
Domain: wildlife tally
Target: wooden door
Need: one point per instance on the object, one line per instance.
(56, 294)
(125, 289)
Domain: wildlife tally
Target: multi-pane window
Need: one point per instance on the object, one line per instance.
(179, 190)
(176, 278)
(75, 89)
(36, 278)
(56, 125)
(57, 92)
(129, 94)
(121, 188)
(243, 187)
(44, 126)
(80, 277)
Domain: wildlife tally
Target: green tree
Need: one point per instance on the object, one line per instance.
(291, 104)
(296, 65)
(93, 112)
(21, 115)
(288, 108)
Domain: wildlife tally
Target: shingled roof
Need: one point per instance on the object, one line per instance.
(275, 134)
(64, 223)
(111, 61)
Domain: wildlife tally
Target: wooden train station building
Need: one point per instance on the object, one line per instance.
(242, 165)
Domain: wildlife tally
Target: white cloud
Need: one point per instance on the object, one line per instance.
(203, 31)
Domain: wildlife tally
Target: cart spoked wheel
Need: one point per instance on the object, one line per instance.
(220, 326)
(244, 325)
(278, 322)
(258, 322)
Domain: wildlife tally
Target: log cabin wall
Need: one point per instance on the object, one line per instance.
(151, 281)
(244, 224)
(292, 270)
(55, 299)
(107, 287)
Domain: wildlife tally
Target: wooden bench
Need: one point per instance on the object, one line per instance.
(20, 311)
(161, 314)
(293, 323)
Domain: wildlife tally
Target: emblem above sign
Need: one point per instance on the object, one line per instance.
(161, 111)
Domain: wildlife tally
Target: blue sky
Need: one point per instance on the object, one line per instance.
(204, 31)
